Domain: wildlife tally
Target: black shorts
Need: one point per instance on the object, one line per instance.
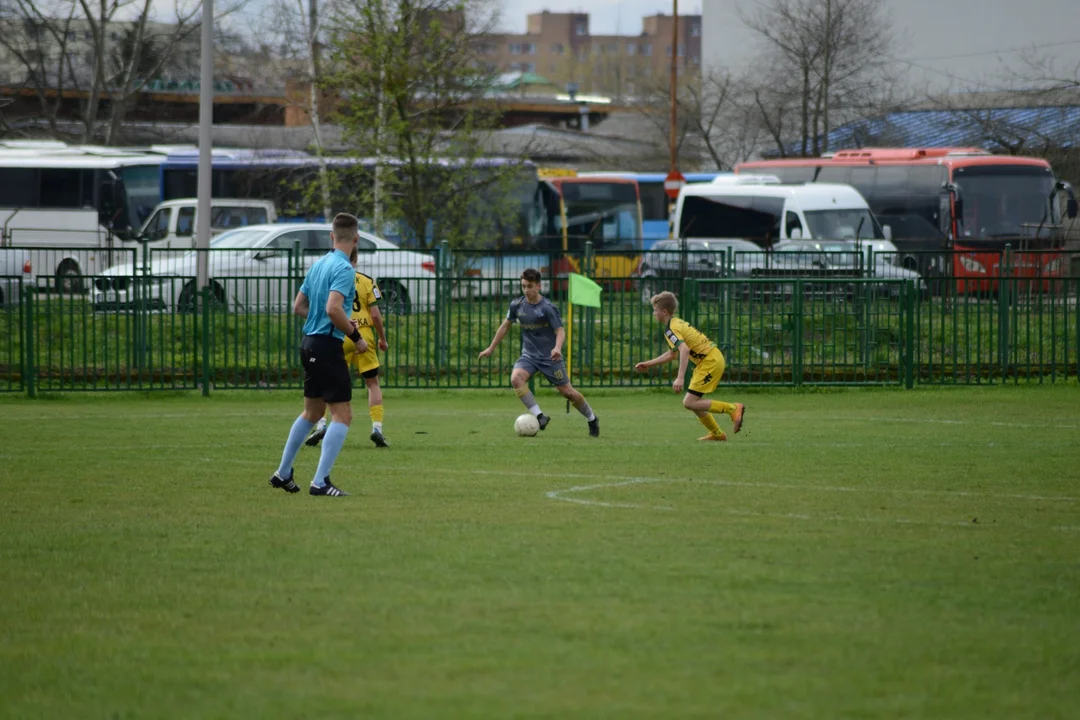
(326, 374)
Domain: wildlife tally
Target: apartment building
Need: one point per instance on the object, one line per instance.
(561, 48)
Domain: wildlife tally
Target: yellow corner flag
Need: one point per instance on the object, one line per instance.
(584, 291)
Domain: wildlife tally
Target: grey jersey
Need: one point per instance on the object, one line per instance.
(538, 325)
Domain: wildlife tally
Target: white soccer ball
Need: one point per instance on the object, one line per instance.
(526, 425)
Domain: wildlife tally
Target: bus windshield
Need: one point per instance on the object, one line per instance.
(1004, 200)
(605, 213)
(143, 186)
(843, 224)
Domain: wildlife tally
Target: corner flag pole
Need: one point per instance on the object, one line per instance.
(569, 336)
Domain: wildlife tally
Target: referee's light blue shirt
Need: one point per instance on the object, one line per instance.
(329, 273)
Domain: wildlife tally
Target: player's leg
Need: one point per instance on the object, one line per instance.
(695, 403)
(375, 407)
(519, 380)
(314, 407)
(714, 366)
(337, 391)
(559, 380)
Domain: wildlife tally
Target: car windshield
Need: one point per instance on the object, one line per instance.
(239, 239)
(843, 224)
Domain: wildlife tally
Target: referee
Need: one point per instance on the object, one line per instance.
(325, 299)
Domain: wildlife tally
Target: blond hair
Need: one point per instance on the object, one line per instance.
(666, 301)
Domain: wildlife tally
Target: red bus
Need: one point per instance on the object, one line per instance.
(961, 199)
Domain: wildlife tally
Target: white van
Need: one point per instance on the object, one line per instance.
(764, 211)
(172, 223)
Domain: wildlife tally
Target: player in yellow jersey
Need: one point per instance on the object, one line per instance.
(366, 316)
(688, 343)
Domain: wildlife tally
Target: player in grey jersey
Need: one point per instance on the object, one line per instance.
(542, 338)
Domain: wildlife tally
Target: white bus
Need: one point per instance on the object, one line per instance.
(75, 206)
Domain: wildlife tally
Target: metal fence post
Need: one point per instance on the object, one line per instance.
(1004, 301)
(589, 318)
(205, 318)
(443, 279)
(909, 334)
(797, 335)
(29, 371)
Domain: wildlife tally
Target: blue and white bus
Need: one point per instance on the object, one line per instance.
(655, 204)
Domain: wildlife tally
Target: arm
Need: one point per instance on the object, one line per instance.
(499, 335)
(658, 360)
(684, 360)
(377, 323)
(301, 305)
(336, 312)
(560, 338)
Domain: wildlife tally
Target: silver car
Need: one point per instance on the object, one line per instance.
(252, 268)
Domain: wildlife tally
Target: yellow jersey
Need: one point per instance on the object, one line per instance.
(367, 296)
(680, 332)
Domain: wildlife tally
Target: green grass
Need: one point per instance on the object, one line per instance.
(855, 554)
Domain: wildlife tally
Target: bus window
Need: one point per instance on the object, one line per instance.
(793, 175)
(654, 201)
(18, 188)
(864, 179)
(60, 188)
(839, 174)
(719, 216)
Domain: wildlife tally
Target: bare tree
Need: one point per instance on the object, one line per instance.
(39, 37)
(105, 50)
(828, 61)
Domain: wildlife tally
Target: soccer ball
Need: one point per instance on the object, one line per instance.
(526, 425)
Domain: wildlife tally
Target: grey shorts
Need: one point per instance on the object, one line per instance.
(555, 372)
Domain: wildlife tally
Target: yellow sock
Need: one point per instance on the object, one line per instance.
(721, 407)
(375, 411)
(710, 424)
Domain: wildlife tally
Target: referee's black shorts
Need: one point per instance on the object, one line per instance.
(326, 374)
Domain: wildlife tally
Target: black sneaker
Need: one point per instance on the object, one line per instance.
(285, 484)
(378, 439)
(328, 489)
(594, 427)
(315, 435)
(543, 420)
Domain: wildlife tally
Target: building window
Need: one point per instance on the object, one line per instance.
(581, 29)
(646, 49)
(558, 49)
(613, 48)
(515, 48)
(631, 48)
(682, 50)
(695, 30)
(530, 48)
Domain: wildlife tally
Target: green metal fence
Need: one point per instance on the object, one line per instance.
(141, 330)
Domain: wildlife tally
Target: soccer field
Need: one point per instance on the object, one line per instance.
(853, 553)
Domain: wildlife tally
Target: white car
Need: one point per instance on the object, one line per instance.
(250, 269)
(14, 266)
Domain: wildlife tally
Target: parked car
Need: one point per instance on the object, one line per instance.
(662, 267)
(171, 224)
(842, 258)
(240, 256)
(15, 266)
